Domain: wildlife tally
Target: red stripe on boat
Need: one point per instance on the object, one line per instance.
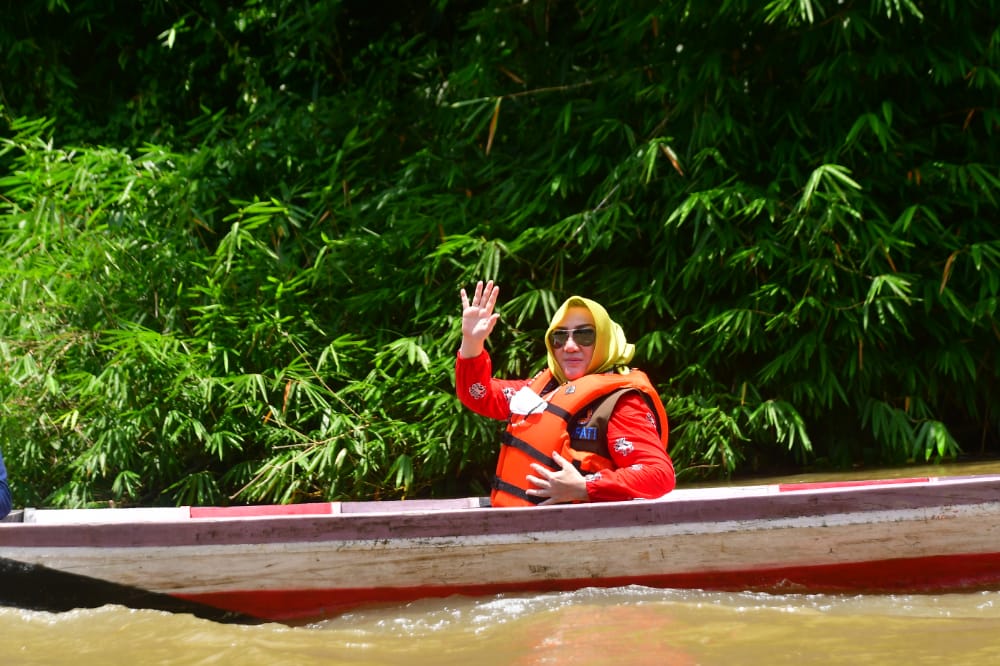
(821, 485)
(310, 509)
(898, 575)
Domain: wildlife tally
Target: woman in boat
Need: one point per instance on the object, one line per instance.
(5, 502)
(587, 428)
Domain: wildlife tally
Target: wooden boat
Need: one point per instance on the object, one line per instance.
(297, 563)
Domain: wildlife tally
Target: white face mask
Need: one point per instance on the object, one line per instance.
(526, 402)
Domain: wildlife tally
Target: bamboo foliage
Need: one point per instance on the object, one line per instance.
(234, 234)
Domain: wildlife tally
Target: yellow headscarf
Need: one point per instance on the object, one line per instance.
(611, 348)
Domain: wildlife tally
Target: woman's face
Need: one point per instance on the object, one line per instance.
(573, 358)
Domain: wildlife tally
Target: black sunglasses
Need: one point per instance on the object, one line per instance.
(584, 337)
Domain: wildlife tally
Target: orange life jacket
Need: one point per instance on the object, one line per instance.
(574, 423)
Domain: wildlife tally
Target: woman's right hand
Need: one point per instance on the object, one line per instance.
(478, 318)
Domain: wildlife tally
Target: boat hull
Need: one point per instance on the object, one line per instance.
(301, 563)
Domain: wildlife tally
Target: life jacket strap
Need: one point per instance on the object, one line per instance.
(558, 411)
(509, 488)
(528, 449)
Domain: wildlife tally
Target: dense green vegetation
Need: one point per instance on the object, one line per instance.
(234, 233)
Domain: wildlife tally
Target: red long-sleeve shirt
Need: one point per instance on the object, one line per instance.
(643, 468)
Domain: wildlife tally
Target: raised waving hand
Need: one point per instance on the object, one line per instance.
(478, 318)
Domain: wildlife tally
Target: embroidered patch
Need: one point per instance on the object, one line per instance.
(588, 433)
(596, 476)
(623, 446)
(477, 391)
